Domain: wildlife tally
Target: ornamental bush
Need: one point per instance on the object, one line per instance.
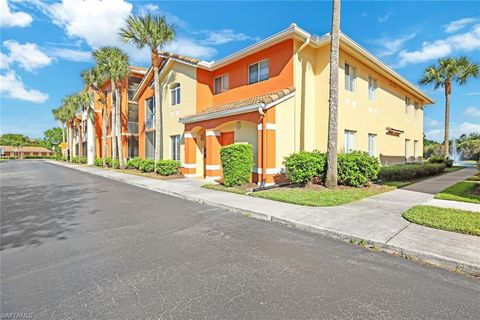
(82, 160)
(146, 165)
(75, 159)
(99, 162)
(134, 163)
(405, 172)
(237, 162)
(168, 167)
(357, 168)
(303, 166)
(436, 159)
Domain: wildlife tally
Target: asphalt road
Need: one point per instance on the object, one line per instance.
(76, 246)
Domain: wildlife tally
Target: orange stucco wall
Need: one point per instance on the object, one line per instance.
(147, 93)
(280, 58)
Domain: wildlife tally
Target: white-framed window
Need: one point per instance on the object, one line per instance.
(372, 88)
(372, 144)
(149, 145)
(415, 149)
(150, 113)
(350, 74)
(407, 149)
(407, 104)
(258, 71)
(175, 147)
(175, 94)
(349, 142)
(415, 111)
(221, 84)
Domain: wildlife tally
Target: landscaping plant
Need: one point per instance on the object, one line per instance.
(357, 168)
(237, 162)
(146, 165)
(404, 172)
(167, 167)
(134, 163)
(303, 166)
(99, 162)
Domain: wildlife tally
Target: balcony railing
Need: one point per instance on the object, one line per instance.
(132, 127)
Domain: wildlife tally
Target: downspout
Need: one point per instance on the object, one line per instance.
(264, 145)
(305, 44)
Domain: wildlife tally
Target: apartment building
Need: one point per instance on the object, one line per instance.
(274, 96)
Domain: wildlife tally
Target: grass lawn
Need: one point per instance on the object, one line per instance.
(474, 178)
(461, 191)
(401, 183)
(320, 197)
(453, 169)
(238, 190)
(461, 221)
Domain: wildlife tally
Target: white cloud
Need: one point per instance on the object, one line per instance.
(13, 19)
(392, 45)
(385, 17)
(28, 55)
(4, 61)
(455, 131)
(472, 112)
(72, 55)
(456, 25)
(473, 94)
(440, 48)
(192, 48)
(13, 87)
(429, 122)
(225, 36)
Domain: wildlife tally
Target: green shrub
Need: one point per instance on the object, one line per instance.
(108, 162)
(168, 167)
(237, 162)
(303, 166)
(75, 159)
(478, 165)
(405, 172)
(116, 164)
(357, 168)
(134, 163)
(82, 160)
(38, 157)
(58, 157)
(448, 163)
(146, 165)
(99, 162)
(436, 159)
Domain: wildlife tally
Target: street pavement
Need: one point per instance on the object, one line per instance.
(78, 246)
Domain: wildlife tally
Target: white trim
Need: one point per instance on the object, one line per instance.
(211, 133)
(213, 167)
(190, 135)
(191, 175)
(269, 126)
(189, 165)
(268, 171)
(276, 102)
(212, 178)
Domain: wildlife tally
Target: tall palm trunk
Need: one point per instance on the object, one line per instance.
(80, 139)
(158, 110)
(331, 178)
(448, 91)
(63, 131)
(104, 133)
(113, 128)
(119, 127)
(71, 143)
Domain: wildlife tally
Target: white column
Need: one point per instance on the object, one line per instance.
(90, 141)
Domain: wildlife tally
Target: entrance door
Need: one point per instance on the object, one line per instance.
(227, 138)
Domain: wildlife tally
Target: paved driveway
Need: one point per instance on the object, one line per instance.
(77, 246)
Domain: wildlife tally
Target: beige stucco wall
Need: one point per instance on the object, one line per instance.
(185, 75)
(285, 130)
(244, 132)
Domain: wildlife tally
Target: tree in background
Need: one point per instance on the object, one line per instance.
(52, 138)
(17, 140)
(442, 75)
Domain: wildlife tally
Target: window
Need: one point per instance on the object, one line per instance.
(150, 145)
(372, 88)
(349, 141)
(175, 93)
(407, 143)
(349, 78)
(258, 72)
(175, 147)
(150, 113)
(372, 144)
(221, 84)
(415, 149)
(407, 104)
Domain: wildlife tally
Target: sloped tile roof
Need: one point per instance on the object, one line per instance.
(264, 98)
(25, 149)
(179, 57)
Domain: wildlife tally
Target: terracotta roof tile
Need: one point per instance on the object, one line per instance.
(264, 98)
(178, 56)
(25, 149)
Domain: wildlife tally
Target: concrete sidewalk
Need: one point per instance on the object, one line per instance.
(377, 220)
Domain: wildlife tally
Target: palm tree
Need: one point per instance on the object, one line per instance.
(92, 80)
(331, 178)
(113, 64)
(153, 32)
(59, 115)
(449, 70)
(82, 102)
(70, 108)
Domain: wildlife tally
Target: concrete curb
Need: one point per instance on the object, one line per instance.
(420, 256)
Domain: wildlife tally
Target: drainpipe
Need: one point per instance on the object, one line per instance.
(306, 43)
(264, 145)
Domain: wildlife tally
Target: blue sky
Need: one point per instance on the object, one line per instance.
(46, 44)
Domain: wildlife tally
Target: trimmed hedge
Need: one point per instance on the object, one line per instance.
(38, 157)
(405, 172)
(237, 162)
(146, 165)
(168, 167)
(99, 162)
(303, 166)
(439, 159)
(357, 168)
(134, 163)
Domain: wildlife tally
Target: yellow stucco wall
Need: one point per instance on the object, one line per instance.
(244, 132)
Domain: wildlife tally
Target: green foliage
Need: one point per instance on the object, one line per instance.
(404, 172)
(168, 167)
(303, 166)
(237, 162)
(357, 168)
(112, 164)
(461, 191)
(16, 140)
(51, 138)
(38, 157)
(58, 157)
(82, 160)
(146, 165)
(75, 159)
(134, 163)
(478, 165)
(470, 148)
(440, 159)
(99, 162)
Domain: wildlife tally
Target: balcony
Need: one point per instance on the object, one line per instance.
(132, 127)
